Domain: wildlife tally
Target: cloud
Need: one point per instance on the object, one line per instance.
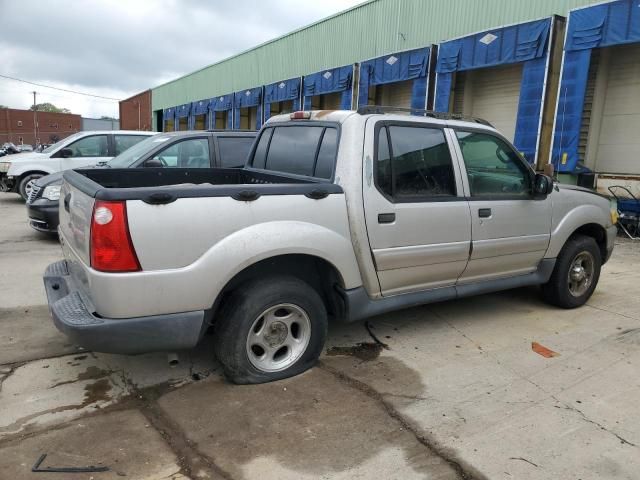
(120, 48)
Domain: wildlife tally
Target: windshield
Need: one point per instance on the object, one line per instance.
(131, 155)
(57, 145)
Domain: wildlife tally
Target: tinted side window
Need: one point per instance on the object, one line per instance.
(192, 153)
(260, 157)
(94, 146)
(123, 142)
(327, 154)
(420, 163)
(493, 167)
(293, 150)
(234, 151)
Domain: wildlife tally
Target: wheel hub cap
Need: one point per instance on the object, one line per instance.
(276, 334)
(581, 273)
(278, 337)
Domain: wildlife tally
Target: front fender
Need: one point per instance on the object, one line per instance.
(572, 220)
(19, 169)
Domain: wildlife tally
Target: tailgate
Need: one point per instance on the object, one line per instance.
(76, 208)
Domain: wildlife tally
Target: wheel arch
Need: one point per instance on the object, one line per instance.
(595, 231)
(318, 272)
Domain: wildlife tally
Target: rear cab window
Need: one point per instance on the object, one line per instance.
(308, 149)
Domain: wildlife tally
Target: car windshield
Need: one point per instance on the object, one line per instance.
(55, 146)
(131, 155)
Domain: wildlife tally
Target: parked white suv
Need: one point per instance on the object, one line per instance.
(82, 149)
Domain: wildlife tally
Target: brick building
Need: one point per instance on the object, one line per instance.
(17, 126)
(135, 112)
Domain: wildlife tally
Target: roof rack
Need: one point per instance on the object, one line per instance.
(379, 109)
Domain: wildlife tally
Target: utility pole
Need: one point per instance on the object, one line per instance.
(35, 121)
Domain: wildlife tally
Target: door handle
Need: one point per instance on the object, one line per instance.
(484, 212)
(386, 217)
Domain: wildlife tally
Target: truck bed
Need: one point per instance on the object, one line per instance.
(166, 185)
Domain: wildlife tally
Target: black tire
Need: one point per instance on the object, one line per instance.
(245, 306)
(22, 186)
(556, 291)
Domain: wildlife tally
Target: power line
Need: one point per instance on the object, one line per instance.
(57, 88)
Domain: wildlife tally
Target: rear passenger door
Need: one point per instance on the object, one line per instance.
(417, 217)
(233, 151)
(510, 228)
(124, 142)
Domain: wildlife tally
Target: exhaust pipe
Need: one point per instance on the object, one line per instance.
(173, 359)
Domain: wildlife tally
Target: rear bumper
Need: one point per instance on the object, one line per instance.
(43, 215)
(74, 316)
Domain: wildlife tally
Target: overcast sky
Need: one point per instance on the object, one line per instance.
(119, 48)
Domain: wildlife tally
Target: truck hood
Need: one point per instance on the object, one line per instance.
(575, 188)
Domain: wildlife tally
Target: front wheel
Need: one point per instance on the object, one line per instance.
(576, 273)
(26, 184)
(270, 329)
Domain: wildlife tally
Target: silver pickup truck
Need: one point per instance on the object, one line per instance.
(338, 215)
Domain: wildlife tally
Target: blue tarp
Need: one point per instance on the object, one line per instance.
(245, 99)
(603, 25)
(397, 67)
(183, 110)
(222, 103)
(201, 107)
(329, 81)
(525, 42)
(280, 92)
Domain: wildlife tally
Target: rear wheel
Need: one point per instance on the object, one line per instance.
(576, 273)
(26, 184)
(270, 329)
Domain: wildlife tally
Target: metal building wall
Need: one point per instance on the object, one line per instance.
(372, 29)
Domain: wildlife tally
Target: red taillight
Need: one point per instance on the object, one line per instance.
(111, 246)
(300, 115)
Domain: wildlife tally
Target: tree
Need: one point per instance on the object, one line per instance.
(48, 107)
(3, 107)
(105, 117)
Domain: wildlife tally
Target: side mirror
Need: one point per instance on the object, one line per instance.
(153, 163)
(66, 153)
(542, 185)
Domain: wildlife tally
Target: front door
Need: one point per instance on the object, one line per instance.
(510, 229)
(86, 152)
(417, 218)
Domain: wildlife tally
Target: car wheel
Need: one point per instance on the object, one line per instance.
(270, 329)
(26, 184)
(576, 273)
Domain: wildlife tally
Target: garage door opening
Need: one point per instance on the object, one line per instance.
(183, 124)
(200, 122)
(169, 125)
(397, 94)
(220, 121)
(329, 101)
(611, 114)
(277, 108)
(248, 118)
(489, 93)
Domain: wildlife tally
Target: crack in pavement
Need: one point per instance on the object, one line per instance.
(191, 460)
(566, 406)
(464, 471)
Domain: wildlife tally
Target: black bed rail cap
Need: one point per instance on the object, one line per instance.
(380, 109)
